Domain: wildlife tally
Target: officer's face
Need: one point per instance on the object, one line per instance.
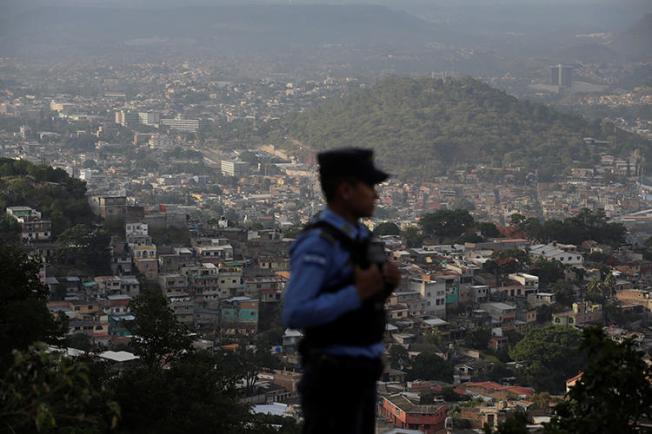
(361, 198)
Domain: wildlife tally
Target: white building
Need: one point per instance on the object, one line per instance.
(567, 254)
(160, 141)
(186, 125)
(136, 229)
(233, 168)
(149, 118)
(529, 282)
(433, 293)
(32, 226)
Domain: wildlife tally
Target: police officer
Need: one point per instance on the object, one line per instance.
(336, 295)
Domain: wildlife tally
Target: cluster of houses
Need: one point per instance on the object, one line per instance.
(219, 283)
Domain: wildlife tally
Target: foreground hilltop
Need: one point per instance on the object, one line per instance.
(425, 127)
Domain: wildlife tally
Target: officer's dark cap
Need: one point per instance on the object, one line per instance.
(356, 163)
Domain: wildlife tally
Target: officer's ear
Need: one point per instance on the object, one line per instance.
(346, 188)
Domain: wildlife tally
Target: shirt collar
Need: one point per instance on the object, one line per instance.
(353, 231)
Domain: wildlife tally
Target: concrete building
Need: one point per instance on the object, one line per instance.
(636, 297)
(203, 282)
(527, 284)
(239, 316)
(433, 293)
(234, 168)
(179, 124)
(136, 229)
(173, 282)
(541, 298)
(149, 118)
(403, 412)
(127, 118)
(32, 226)
(161, 142)
(561, 75)
(214, 253)
(567, 254)
(582, 313)
(109, 206)
(502, 314)
(182, 305)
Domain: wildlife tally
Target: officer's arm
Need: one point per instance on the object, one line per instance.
(304, 306)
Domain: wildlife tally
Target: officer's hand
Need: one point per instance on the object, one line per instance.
(368, 281)
(391, 275)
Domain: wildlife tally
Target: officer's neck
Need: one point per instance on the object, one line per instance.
(342, 211)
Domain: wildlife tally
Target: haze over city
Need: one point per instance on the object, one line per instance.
(159, 174)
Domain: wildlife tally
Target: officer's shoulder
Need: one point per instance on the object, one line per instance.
(314, 237)
(317, 235)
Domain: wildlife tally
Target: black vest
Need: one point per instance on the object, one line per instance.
(360, 327)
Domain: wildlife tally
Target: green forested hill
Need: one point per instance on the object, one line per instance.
(423, 127)
(60, 198)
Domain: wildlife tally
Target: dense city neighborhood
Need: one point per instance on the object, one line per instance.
(151, 208)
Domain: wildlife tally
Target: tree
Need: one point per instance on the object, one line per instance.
(498, 371)
(46, 392)
(541, 401)
(587, 225)
(551, 355)
(548, 271)
(387, 228)
(595, 290)
(24, 316)
(446, 223)
(516, 423)
(477, 338)
(544, 314)
(249, 368)
(9, 229)
(489, 230)
(269, 424)
(449, 394)
(504, 262)
(412, 236)
(196, 394)
(60, 198)
(614, 394)
(440, 125)
(602, 291)
(464, 203)
(470, 237)
(398, 357)
(517, 219)
(428, 366)
(79, 341)
(564, 293)
(158, 337)
(86, 247)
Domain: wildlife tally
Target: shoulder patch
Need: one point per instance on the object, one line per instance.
(314, 258)
(328, 237)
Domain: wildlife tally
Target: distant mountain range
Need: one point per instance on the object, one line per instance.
(425, 127)
(637, 41)
(474, 37)
(228, 29)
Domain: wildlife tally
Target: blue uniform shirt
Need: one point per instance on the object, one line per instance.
(317, 263)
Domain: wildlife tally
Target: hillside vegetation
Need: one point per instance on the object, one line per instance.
(59, 197)
(425, 127)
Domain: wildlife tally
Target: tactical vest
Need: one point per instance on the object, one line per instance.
(360, 327)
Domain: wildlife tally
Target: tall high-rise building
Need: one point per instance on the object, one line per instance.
(561, 75)
(187, 125)
(149, 118)
(127, 118)
(234, 168)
